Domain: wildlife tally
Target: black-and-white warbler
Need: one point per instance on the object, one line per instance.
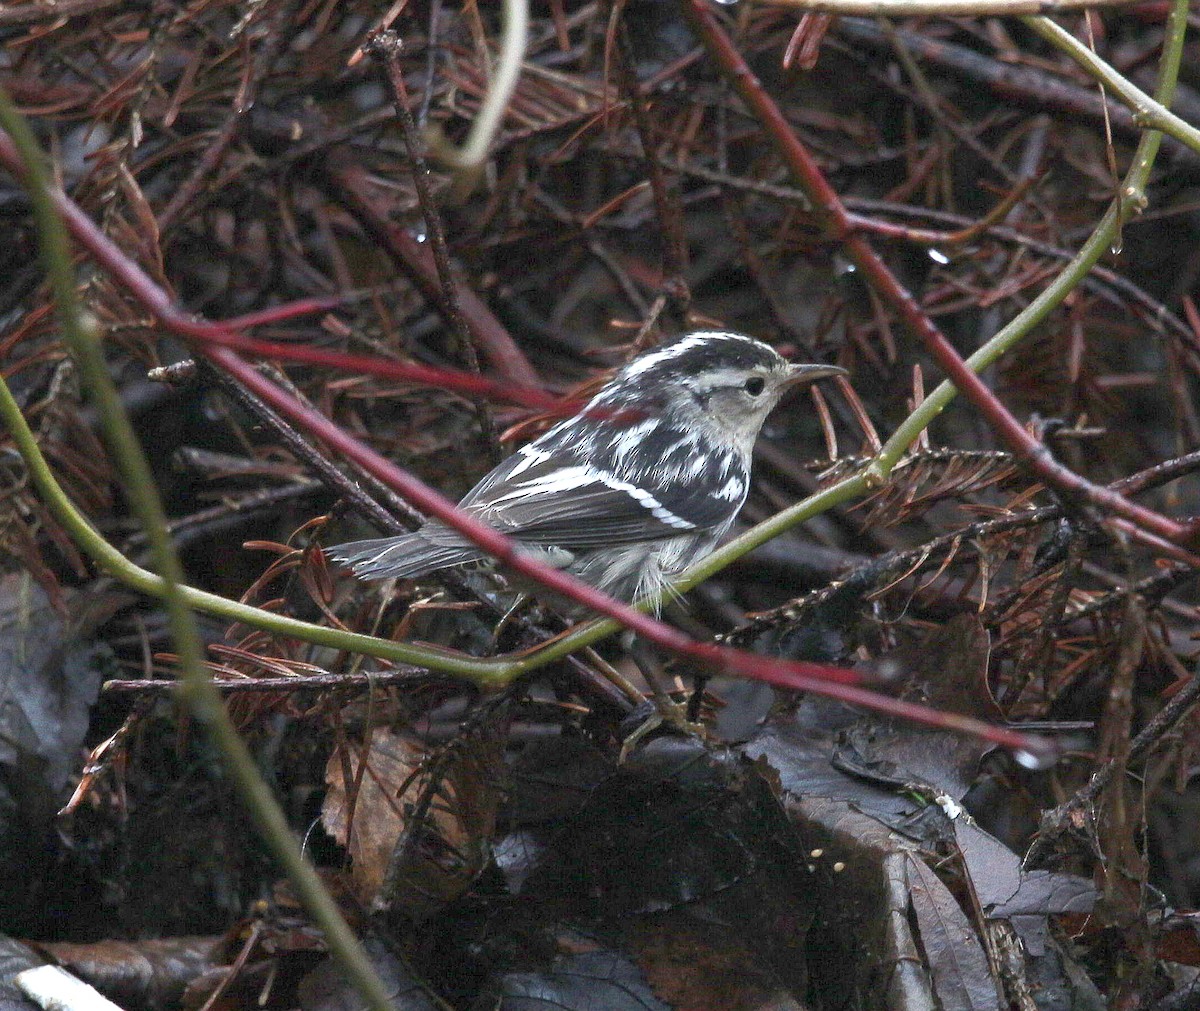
(634, 489)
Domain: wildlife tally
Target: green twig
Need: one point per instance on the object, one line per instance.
(483, 673)
(1147, 112)
(491, 673)
(468, 160)
(941, 8)
(1132, 198)
(80, 333)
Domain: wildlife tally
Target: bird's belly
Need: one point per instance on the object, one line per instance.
(627, 572)
(632, 571)
(556, 558)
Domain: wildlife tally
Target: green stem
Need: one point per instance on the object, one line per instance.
(112, 561)
(1132, 198)
(80, 334)
(485, 673)
(468, 160)
(1147, 111)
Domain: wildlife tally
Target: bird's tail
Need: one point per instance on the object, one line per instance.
(401, 557)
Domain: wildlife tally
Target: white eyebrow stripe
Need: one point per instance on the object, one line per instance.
(569, 478)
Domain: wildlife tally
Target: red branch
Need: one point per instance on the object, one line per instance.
(834, 682)
(450, 379)
(838, 225)
(228, 333)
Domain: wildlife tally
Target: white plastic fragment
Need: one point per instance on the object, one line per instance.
(55, 989)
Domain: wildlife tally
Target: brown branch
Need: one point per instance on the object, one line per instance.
(1064, 817)
(666, 203)
(385, 46)
(38, 11)
(1101, 278)
(300, 682)
(944, 8)
(1028, 86)
(352, 187)
(330, 474)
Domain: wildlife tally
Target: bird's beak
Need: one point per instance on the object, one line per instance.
(802, 375)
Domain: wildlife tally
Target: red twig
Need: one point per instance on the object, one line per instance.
(838, 225)
(228, 332)
(467, 383)
(834, 682)
(284, 311)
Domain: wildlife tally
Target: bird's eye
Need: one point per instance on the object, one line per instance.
(755, 385)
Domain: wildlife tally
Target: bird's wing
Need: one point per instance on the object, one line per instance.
(540, 498)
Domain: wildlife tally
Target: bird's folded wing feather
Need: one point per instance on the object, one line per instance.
(579, 506)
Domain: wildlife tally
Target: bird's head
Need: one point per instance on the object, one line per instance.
(724, 383)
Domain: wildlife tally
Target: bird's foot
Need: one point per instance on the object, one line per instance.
(659, 713)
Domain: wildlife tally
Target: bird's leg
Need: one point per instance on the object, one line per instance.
(667, 712)
(507, 618)
(646, 658)
(677, 610)
(696, 699)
